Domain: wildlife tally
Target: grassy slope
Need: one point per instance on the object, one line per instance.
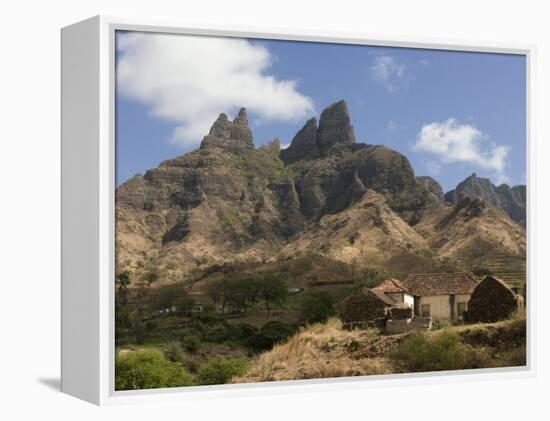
(326, 350)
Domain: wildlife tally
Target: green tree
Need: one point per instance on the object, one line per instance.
(272, 290)
(241, 292)
(220, 370)
(205, 321)
(122, 280)
(174, 295)
(151, 276)
(218, 292)
(148, 369)
(316, 307)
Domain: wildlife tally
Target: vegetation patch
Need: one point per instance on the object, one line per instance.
(148, 369)
(220, 370)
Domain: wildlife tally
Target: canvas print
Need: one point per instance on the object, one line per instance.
(300, 210)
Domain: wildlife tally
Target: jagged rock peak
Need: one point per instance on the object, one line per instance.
(304, 143)
(312, 141)
(242, 118)
(335, 126)
(221, 127)
(512, 200)
(231, 135)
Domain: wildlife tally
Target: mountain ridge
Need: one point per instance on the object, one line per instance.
(510, 199)
(231, 202)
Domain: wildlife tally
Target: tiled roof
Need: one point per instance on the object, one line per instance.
(423, 284)
(380, 295)
(383, 297)
(391, 285)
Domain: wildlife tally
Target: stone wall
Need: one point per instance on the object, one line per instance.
(362, 307)
(491, 301)
(396, 326)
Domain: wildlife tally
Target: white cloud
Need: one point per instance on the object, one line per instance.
(433, 167)
(389, 71)
(454, 142)
(189, 80)
(391, 126)
(285, 145)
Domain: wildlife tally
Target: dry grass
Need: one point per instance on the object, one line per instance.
(327, 350)
(323, 351)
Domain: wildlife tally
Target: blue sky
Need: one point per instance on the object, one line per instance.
(451, 113)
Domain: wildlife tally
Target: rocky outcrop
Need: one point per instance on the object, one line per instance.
(233, 136)
(335, 127)
(433, 187)
(312, 142)
(511, 200)
(304, 144)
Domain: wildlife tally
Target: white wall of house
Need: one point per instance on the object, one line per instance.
(402, 297)
(409, 300)
(440, 307)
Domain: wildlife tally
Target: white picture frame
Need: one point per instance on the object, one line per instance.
(88, 187)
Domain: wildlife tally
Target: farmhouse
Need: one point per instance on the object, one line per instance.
(374, 306)
(394, 289)
(440, 295)
(492, 300)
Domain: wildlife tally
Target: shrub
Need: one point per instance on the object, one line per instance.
(218, 334)
(220, 370)
(516, 357)
(438, 324)
(174, 351)
(443, 351)
(190, 362)
(148, 369)
(316, 307)
(243, 331)
(151, 326)
(139, 331)
(271, 333)
(191, 343)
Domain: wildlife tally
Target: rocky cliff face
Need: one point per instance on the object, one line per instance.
(333, 171)
(229, 202)
(311, 141)
(232, 136)
(475, 234)
(511, 200)
(433, 187)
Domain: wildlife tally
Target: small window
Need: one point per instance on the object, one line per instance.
(460, 309)
(425, 310)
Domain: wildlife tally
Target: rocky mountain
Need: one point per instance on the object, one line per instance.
(326, 195)
(511, 200)
(433, 187)
(472, 227)
(368, 230)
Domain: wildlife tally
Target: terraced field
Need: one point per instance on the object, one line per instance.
(511, 269)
